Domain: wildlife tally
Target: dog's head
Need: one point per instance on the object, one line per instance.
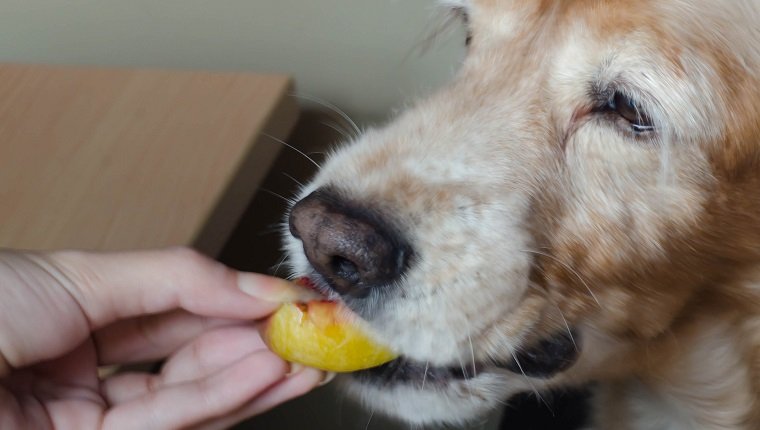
(590, 174)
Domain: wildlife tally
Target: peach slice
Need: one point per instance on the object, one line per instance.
(323, 335)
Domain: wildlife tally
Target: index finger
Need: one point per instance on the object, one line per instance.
(114, 286)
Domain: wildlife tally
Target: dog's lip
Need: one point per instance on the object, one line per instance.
(317, 284)
(405, 370)
(543, 359)
(548, 356)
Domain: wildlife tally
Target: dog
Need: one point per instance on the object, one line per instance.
(580, 205)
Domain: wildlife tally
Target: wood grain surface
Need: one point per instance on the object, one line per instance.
(111, 159)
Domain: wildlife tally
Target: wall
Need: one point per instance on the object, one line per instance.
(362, 55)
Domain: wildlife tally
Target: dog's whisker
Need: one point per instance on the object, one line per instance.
(292, 178)
(342, 132)
(472, 355)
(332, 107)
(267, 231)
(279, 264)
(371, 415)
(290, 202)
(568, 267)
(424, 375)
(527, 379)
(465, 373)
(502, 402)
(287, 145)
(567, 326)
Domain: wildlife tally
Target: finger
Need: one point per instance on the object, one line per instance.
(211, 352)
(193, 402)
(152, 337)
(206, 355)
(76, 368)
(293, 386)
(127, 386)
(112, 286)
(38, 320)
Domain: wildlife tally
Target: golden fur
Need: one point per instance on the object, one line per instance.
(532, 211)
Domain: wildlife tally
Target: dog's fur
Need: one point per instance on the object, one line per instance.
(531, 209)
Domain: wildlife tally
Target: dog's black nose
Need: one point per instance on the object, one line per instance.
(348, 245)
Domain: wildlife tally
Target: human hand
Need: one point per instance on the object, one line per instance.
(64, 314)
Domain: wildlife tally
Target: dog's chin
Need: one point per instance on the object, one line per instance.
(418, 395)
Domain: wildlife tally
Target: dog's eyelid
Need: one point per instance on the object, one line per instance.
(629, 105)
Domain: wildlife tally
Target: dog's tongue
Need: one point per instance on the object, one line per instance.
(305, 282)
(548, 357)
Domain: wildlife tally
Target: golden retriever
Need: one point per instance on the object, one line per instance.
(580, 205)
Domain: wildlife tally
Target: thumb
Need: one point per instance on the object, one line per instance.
(52, 301)
(113, 286)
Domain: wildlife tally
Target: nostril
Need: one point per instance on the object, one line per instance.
(345, 269)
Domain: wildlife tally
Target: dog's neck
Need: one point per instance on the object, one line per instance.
(704, 373)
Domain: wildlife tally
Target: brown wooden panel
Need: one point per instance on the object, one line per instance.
(114, 159)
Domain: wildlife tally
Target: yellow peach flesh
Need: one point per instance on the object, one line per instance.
(322, 335)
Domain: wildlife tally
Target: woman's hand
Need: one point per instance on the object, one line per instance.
(65, 314)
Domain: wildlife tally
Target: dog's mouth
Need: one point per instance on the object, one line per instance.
(544, 359)
(403, 370)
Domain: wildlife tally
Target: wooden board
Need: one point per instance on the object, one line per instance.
(111, 159)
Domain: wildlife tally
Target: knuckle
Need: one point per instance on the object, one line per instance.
(195, 263)
(187, 255)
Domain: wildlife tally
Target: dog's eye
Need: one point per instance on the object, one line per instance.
(628, 110)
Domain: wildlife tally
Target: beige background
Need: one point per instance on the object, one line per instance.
(362, 55)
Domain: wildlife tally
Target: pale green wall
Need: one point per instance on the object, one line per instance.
(362, 55)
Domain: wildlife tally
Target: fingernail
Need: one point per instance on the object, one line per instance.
(329, 376)
(295, 368)
(273, 289)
